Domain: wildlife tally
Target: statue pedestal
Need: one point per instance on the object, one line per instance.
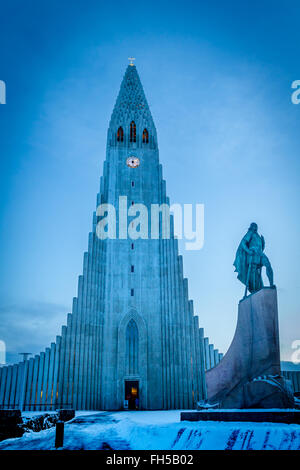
(249, 374)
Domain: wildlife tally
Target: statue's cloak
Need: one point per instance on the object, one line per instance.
(241, 260)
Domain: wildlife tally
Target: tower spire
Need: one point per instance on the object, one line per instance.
(131, 105)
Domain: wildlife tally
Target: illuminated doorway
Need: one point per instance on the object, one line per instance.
(132, 394)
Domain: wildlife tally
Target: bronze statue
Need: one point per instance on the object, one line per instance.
(249, 260)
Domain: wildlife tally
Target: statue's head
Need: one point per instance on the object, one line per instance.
(253, 227)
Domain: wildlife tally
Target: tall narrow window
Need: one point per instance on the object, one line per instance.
(132, 348)
(132, 268)
(132, 132)
(132, 183)
(132, 292)
(145, 137)
(120, 134)
(132, 246)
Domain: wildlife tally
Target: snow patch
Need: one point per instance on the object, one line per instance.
(155, 430)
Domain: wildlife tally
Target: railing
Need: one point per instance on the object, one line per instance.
(44, 407)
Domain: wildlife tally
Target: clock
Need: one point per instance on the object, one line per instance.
(133, 162)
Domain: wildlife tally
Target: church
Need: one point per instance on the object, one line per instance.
(132, 339)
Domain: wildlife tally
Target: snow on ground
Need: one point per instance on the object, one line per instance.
(155, 430)
(34, 414)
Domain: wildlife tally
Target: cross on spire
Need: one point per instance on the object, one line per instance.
(131, 59)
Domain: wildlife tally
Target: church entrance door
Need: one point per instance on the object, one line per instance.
(132, 394)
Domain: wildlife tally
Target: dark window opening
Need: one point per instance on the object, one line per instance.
(120, 134)
(132, 246)
(132, 292)
(132, 132)
(132, 203)
(132, 183)
(145, 137)
(132, 268)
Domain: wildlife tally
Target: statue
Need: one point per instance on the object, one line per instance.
(249, 260)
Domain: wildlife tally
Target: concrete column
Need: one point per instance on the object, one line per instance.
(83, 331)
(179, 323)
(91, 334)
(193, 360)
(66, 365)
(57, 361)
(166, 363)
(34, 383)
(101, 308)
(163, 305)
(198, 359)
(24, 366)
(183, 332)
(211, 356)
(189, 348)
(40, 381)
(8, 385)
(19, 384)
(216, 356)
(50, 379)
(206, 352)
(86, 322)
(89, 329)
(21, 387)
(171, 331)
(84, 366)
(168, 328)
(45, 379)
(72, 371)
(98, 321)
(294, 380)
(202, 364)
(27, 403)
(92, 323)
(3, 384)
(12, 394)
(174, 321)
(60, 384)
(77, 343)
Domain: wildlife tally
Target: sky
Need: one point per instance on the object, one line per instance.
(217, 77)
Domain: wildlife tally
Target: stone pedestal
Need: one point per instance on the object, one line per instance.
(252, 415)
(249, 374)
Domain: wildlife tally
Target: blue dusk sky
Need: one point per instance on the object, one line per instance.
(217, 76)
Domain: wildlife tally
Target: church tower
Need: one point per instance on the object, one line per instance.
(132, 334)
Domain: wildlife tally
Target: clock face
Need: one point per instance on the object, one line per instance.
(133, 162)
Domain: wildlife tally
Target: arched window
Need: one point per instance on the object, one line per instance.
(120, 134)
(132, 348)
(132, 132)
(145, 137)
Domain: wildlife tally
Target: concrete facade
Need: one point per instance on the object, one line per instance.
(132, 304)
